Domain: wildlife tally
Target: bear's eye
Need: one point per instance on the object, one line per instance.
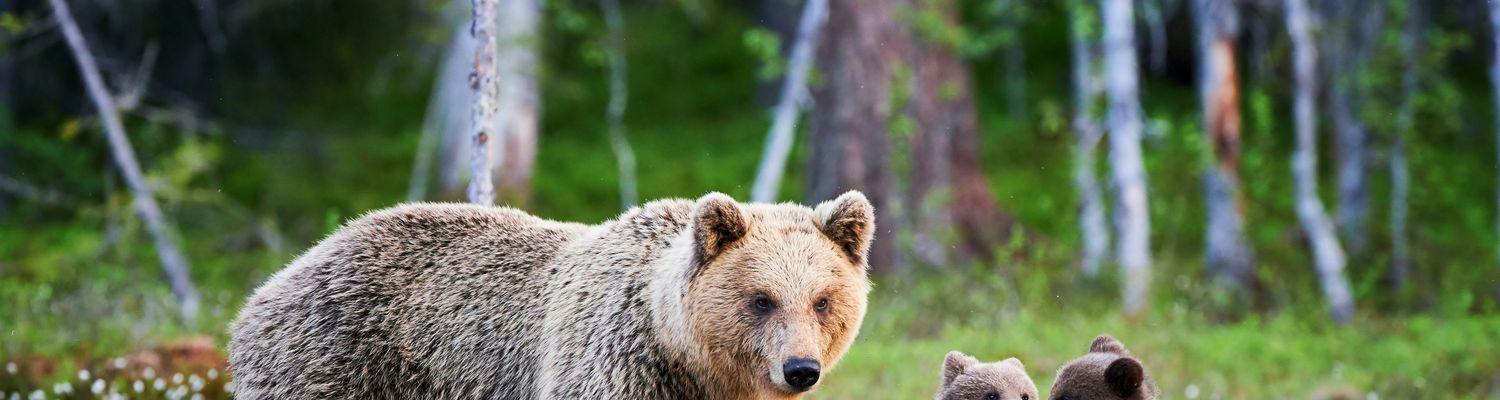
(821, 305)
(763, 304)
(991, 396)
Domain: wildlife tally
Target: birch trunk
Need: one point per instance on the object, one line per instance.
(173, 264)
(1086, 132)
(1133, 230)
(482, 82)
(1400, 265)
(793, 97)
(1227, 254)
(615, 50)
(1353, 30)
(1327, 253)
(1494, 8)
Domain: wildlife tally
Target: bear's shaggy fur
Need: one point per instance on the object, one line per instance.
(964, 378)
(673, 299)
(1107, 372)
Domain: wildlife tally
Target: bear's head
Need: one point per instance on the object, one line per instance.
(1107, 372)
(965, 378)
(773, 294)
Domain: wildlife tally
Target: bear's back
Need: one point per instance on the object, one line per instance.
(423, 299)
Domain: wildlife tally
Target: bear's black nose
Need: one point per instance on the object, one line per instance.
(800, 373)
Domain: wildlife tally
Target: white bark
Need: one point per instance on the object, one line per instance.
(1327, 253)
(615, 50)
(1494, 8)
(1133, 223)
(173, 264)
(1086, 132)
(482, 82)
(793, 98)
(1227, 255)
(1400, 176)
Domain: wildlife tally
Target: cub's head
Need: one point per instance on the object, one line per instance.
(964, 378)
(775, 293)
(1106, 372)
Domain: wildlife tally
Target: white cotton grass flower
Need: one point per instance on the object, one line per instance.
(118, 363)
(1372, 396)
(195, 382)
(37, 395)
(196, 397)
(97, 387)
(63, 387)
(1191, 391)
(10, 368)
(149, 373)
(138, 386)
(14, 396)
(83, 375)
(213, 373)
(159, 384)
(177, 378)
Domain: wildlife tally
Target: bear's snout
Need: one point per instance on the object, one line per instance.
(800, 373)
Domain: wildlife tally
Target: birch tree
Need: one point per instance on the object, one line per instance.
(1227, 254)
(618, 95)
(173, 263)
(1327, 253)
(1133, 221)
(1352, 31)
(1494, 8)
(793, 96)
(482, 82)
(1087, 134)
(1400, 176)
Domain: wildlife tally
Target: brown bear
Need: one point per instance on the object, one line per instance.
(674, 299)
(1108, 371)
(964, 378)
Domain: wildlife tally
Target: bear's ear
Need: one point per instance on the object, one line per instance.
(1108, 344)
(849, 221)
(1014, 362)
(1125, 376)
(955, 364)
(717, 222)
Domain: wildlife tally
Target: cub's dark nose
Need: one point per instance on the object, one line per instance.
(800, 373)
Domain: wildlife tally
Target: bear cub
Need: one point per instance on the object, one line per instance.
(965, 378)
(1108, 371)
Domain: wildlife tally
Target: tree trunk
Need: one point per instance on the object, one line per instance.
(1400, 264)
(482, 82)
(1495, 80)
(1086, 132)
(1133, 230)
(1327, 252)
(947, 190)
(173, 264)
(1347, 43)
(793, 91)
(446, 126)
(851, 144)
(1227, 254)
(615, 115)
(518, 41)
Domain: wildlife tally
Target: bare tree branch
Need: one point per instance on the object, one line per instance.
(172, 262)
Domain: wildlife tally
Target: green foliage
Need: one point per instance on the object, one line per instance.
(765, 45)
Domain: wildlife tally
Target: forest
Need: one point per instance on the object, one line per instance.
(1265, 198)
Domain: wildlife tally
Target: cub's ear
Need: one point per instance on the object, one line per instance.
(955, 364)
(1108, 344)
(1125, 376)
(849, 221)
(717, 223)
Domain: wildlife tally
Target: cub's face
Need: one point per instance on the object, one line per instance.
(779, 290)
(965, 378)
